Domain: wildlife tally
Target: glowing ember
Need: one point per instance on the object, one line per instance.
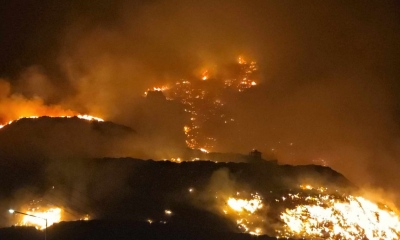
(156, 89)
(85, 218)
(205, 75)
(241, 60)
(160, 89)
(168, 212)
(204, 150)
(176, 160)
(90, 118)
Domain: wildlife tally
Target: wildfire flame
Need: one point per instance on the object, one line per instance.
(204, 75)
(326, 216)
(240, 205)
(204, 150)
(202, 103)
(53, 215)
(315, 213)
(36, 213)
(156, 89)
(244, 211)
(87, 117)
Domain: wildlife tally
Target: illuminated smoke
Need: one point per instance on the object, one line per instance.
(329, 84)
(15, 106)
(333, 90)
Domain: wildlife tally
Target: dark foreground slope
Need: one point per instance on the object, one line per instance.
(121, 230)
(184, 198)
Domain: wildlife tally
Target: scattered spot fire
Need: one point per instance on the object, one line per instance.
(203, 100)
(245, 212)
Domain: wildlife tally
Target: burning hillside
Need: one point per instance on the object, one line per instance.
(304, 82)
(204, 99)
(260, 198)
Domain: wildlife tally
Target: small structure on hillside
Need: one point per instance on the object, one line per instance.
(255, 156)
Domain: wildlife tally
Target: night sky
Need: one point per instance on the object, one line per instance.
(328, 86)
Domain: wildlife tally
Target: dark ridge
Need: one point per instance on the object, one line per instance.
(134, 189)
(48, 137)
(46, 122)
(122, 230)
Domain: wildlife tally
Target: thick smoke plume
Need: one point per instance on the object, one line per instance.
(14, 105)
(329, 73)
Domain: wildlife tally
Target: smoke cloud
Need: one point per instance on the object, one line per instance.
(328, 91)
